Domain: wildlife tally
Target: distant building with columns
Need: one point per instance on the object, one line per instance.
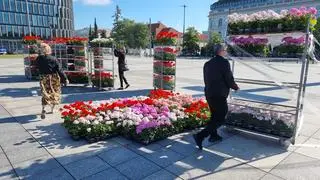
(220, 10)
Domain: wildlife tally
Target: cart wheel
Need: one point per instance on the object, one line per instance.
(284, 142)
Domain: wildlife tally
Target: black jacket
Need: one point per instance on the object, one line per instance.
(48, 65)
(218, 77)
(121, 59)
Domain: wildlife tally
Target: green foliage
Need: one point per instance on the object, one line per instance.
(131, 34)
(95, 30)
(191, 40)
(215, 38)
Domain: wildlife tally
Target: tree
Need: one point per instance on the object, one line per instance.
(95, 30)
(215, 38)
(117, 16)
(140, 32)
(90, 33)
(103, 34)
(191, 40)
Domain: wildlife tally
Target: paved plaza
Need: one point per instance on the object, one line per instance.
(31, 148)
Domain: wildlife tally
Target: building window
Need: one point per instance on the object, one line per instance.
(6, 5)
(12, 18)
(1, 17)
(220, 22)
(18, 19)
(12, 5)
(6, 17)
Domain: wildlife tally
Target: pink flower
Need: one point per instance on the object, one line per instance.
(313, 11)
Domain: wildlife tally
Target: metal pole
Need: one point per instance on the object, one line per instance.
(150, 31)
(28, 15)
(184, 24)
(303, 79)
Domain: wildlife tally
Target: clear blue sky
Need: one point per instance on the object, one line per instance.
(169, 12)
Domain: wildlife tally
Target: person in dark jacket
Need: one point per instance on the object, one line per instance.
(51, 77)
(218, 79)
(121, 67)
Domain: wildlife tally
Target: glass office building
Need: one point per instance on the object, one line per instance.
(44, 18)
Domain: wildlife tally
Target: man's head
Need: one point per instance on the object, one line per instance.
(220, 50)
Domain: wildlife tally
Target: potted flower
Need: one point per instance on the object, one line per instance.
(105, 78)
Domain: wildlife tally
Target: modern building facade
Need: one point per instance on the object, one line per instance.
(220, 10)
(44, 18)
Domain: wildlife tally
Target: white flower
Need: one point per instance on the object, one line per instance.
(109, 122)
(95, 122)
(107, 118)
(88, 129)
(75, 122)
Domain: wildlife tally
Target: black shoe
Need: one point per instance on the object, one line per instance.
(121, 88)
(198, 141)
(128, 85)
(43, 114)
(215, 138)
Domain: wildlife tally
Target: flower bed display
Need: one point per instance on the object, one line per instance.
(261, 120)
(77, 77)
(166, 82)
(31, 54)
(147, 119)
(254, 46)
(290, 47)
(102, 42)
(272, 22)
(143, 119)
(106, 79)
(164, 65)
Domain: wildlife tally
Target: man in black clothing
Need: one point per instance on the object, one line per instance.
(218, 81)
(121, 67)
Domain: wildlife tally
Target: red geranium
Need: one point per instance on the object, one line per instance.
(159, 93)
(199, 109)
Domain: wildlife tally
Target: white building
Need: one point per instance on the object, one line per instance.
(220, 10)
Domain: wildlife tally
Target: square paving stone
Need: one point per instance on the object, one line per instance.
(309, 129)
(298, 167)
(238, 172)
(183, 147)
(164, 157)
(201, 164)
(162, 175)
(35, 166)
(68, 150)
(54, 174)
(7, 173)
(247, 149)
(143, 150)
(138, 168)
(309, 150)
(86, 167)
(24, 154)
(117, 155)
(271, 177)
(122, 141)
(4, 161)
(110, 174)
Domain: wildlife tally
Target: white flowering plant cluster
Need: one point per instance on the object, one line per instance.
(102, 42)
(295, 19)
(263, 120)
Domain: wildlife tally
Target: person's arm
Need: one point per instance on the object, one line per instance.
(116, 53)
(205, 74)
(62, 75)
(228, 76)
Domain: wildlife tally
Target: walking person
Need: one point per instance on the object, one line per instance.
(218, 81)
(121, 67)
(51, 77)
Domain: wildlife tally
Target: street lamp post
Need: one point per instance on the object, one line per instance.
(184, 24)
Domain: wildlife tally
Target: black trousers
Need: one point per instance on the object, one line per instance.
(122, 78)
(219, 109)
